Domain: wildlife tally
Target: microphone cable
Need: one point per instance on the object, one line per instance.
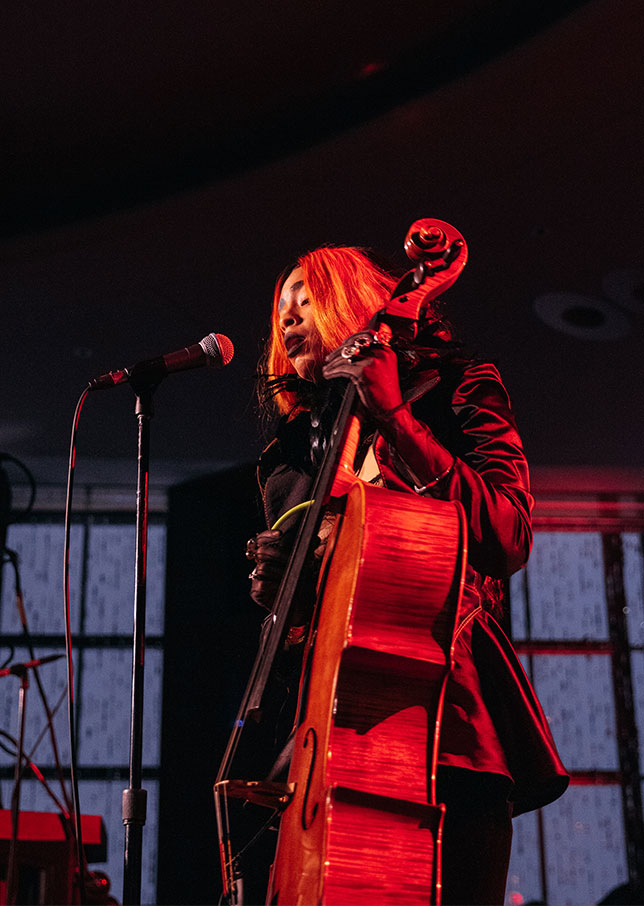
(7, 457)
(220, 350)
(76, 812)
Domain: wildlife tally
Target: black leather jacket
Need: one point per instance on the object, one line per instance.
(461, 417)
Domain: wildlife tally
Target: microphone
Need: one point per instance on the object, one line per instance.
(215, 350)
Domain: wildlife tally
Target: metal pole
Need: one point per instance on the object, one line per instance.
(134, 798)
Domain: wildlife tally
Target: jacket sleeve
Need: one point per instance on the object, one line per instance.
(478, 460)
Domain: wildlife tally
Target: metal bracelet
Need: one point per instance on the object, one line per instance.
(435, 481)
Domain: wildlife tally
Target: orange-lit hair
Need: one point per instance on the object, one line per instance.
(345, 288)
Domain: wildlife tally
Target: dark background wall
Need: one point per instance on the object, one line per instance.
(211, 634)
(162, 165)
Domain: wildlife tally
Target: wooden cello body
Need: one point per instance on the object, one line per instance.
(363, 825)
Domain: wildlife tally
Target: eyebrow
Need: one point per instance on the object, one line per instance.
(293, 288)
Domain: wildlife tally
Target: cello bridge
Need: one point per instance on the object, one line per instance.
(262, 792)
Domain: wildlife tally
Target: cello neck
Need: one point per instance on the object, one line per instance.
(306, 536)
(345, 475)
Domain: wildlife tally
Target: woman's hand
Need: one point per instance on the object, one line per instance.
(270, 553)
(371, 364)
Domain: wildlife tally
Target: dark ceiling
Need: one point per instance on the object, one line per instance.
(163, 162)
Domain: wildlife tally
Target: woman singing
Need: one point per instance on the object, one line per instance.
(435, 423)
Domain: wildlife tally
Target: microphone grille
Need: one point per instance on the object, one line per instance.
(218, 347)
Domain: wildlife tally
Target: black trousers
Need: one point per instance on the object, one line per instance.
(477, 837)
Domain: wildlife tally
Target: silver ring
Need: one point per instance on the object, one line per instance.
(349, 351)
(253, 575)
(358, 344)
(365, 340)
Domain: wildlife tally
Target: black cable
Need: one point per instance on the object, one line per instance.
(76, 812)
(42, 733)
(7, 558)
(7, 457)
(74, 806)
(29, 763)
(22, 616)
(9, 658)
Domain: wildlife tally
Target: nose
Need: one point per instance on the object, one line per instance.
(289, 314)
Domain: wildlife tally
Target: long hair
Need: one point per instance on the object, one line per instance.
(345, 289)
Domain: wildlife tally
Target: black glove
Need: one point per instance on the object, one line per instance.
(270, 552)
(371, 364)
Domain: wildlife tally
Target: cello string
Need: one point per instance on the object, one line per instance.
(266, 655)
(223, 832)
(231, 867)
(265, 826)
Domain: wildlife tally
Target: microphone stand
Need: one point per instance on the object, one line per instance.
(215, 349)
(135, 798)
(22, 671)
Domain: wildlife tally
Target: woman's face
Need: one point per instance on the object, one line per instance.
(299, 333)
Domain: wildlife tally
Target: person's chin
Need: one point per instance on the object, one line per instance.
(307, 369)
(304, 366)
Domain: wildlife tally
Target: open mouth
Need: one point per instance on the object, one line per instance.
(294, 344)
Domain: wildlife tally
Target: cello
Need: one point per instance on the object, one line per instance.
(359, 817)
